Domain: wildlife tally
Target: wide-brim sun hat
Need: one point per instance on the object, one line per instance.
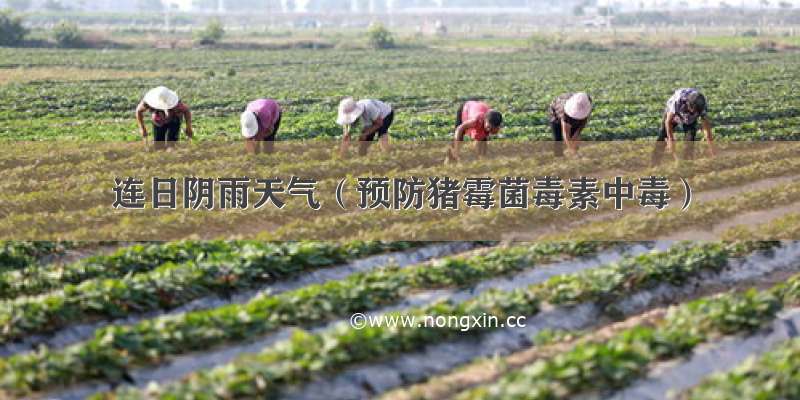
(349, 111)
(249, 124)
(578, 106)
(161, 98)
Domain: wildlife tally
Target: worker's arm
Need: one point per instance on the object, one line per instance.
(709, 136)
(669, 129)
(459, 136)
(707, 129)
(140, 110)
(189, 130)
(345, 140)
(566, 128)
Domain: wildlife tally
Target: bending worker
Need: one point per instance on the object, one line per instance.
(569, 113)
(478, 121)
(260, 122)
(376, 118)
(683, 110)
(167, 111)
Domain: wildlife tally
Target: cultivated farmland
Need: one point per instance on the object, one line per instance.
(751, 95)
(240, 304)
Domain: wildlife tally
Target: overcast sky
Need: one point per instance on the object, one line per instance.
(630, 3)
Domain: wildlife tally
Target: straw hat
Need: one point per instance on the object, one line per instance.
(349, 111)
(161, 98)
(578, 106)
(249, 124)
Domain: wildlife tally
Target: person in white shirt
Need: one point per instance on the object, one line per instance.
(376, 118)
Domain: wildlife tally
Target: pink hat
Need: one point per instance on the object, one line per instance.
(578, 106)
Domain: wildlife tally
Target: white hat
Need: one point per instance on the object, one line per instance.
(161, 98)
(349, 111)
(249, 124)
(578, 106)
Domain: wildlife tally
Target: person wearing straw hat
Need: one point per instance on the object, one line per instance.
(167, 110)
(568, 115)
(376, 117)
(260, 122)
(478, 121)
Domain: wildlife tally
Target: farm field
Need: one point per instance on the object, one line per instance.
(698, 300)
(91, 95)
(743, 182)
(244, 319)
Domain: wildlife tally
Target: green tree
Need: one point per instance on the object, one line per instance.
(212, 33)
(380, 37)
(11, 30)
(19, 5)
(67, 34)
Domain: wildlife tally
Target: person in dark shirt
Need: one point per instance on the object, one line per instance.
(568, 114)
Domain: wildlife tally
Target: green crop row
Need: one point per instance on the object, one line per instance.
(774, 375)
(17, 255)
(306, 354)
(133, 259)
(174, 284)
(115, 349)
(598, 368)
(130, 259)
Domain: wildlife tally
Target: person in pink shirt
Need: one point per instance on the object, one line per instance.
(478, 121)
(260, 122)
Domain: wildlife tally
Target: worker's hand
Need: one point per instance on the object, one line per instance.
(712, 150)
(670, 145)
(143, 132)
(189, 133)
(571, 152)
(451, 156)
